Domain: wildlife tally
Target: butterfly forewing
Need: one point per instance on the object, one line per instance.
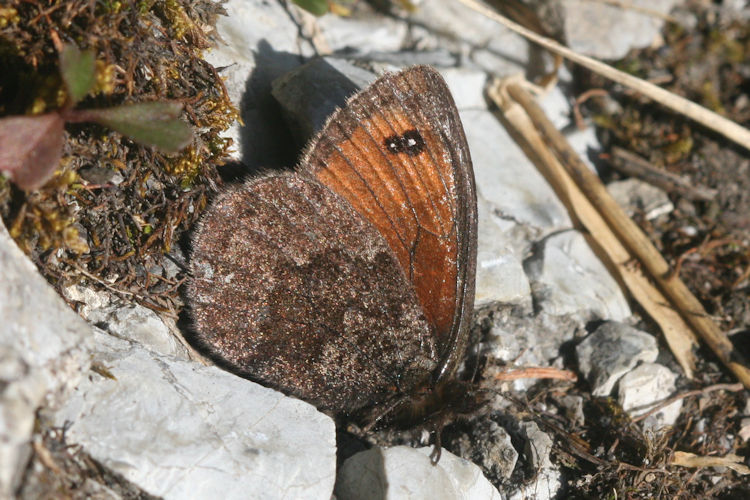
(397, 153)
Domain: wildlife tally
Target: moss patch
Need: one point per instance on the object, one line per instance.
(113, 207)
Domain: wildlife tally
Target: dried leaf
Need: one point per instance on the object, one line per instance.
(78, 71)
(732, 461)
(30, 148)
(151, 123)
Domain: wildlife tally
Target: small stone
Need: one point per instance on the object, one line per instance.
(573, 406)
(546, 482)
(744, 432)
(645, 385)
(568, 278)
(636, 196)
(171, 270)
(96, 174)
(138, 323)
(489, 446)
(404, 472)
(610, 352)
(86, 299)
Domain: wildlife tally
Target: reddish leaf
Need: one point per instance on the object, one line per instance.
(30, 148)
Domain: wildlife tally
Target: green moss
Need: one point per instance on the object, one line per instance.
(8, 15)
(114, 206)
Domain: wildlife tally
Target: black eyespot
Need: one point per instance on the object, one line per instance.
(410, 142)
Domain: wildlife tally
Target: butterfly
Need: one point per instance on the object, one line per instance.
(348, 282)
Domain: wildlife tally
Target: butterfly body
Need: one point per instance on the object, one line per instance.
(349, 282)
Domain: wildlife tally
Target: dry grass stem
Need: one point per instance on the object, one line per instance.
(717, 387)
(730, 461)
(634, 166)
(536, 372)
(705, 117)
(617, 234)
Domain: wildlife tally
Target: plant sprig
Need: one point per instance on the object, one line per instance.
(31, 146)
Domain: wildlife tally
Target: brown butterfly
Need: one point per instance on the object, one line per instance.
(348, 283)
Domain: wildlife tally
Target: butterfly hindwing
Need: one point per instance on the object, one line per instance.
(289, 287)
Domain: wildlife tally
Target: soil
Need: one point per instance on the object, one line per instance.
(708, 241)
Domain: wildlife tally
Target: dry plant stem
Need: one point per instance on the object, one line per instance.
(635, 166)
(576, 445)
(536, 372)
(143, 298)
(705, 117)
(599, 235)
(702, 249)
(698, 392)
(580, 122)
(635, 240)
(45, 457)
(732, 461)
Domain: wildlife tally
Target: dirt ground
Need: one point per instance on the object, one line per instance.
(708, 241)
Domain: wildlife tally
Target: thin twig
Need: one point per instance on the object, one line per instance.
(696, 112)
(635, 166)
(98, 279)
(712, 388)
(536, 372)
(635, 240)
(704, 247)
(585, 96)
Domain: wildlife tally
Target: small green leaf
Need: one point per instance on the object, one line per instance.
(316, 7)
(151, 123)
(78, 71)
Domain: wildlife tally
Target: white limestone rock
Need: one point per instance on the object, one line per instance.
(43, 350)
(178, 429)
(609, 32)
(610, 352)
(402, 472)
(568, 278)
(647, 384)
